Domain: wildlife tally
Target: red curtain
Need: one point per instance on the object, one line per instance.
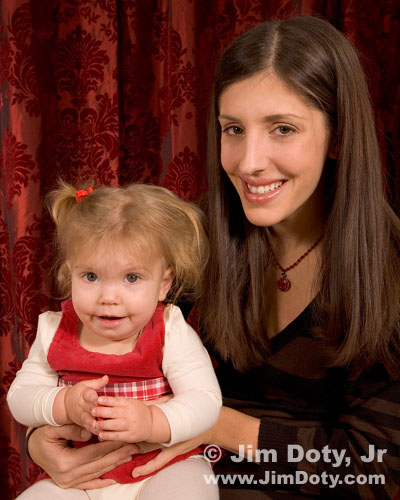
(117, 92)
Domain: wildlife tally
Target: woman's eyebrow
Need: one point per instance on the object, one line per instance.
(282, 116)
(268, 118)
(226, 117)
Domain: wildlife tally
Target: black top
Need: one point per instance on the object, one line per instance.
(304, 406)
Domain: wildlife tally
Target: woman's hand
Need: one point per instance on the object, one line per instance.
(167, 453)
(72, 467)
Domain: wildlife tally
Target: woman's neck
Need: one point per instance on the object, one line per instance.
(300, 231)
(290, 245)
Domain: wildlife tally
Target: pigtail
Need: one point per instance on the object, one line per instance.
(61, 202)
(191, 253)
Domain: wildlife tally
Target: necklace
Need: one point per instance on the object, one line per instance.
(284, 283)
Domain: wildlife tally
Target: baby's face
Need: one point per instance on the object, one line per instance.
(115, 293)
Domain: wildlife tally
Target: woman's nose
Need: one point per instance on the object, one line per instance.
(254, 158)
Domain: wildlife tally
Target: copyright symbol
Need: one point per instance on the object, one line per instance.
(212, 453)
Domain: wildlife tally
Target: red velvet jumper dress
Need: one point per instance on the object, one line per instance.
(137, 374)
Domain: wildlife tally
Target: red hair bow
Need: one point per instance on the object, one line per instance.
(82, 193)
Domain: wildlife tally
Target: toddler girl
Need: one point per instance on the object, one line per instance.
(123, 254)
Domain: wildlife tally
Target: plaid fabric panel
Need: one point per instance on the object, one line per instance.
(144, 390)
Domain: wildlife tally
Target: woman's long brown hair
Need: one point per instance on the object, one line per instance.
(358, 305)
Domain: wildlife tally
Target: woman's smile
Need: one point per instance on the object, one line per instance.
(266, 188)
(262, 192)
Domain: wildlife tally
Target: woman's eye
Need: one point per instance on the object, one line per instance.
(233, 130)
(90, 277)
(285, 130)
(131, 278)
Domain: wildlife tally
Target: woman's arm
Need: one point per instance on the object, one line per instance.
(232, 429)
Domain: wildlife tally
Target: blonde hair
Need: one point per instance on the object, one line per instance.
(148, 220)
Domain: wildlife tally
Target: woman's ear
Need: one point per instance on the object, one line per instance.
(166, 283)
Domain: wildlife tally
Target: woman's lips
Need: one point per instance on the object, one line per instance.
(261, 193)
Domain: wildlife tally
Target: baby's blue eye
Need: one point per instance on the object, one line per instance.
(131, 278)
(90, 277)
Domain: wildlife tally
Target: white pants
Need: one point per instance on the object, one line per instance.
(179, 481)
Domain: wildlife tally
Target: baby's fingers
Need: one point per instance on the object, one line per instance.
(106, 412)
(90, 396)
(113, 424)
(88, 422)
(114, 401)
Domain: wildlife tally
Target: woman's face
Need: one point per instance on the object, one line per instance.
(273, 148)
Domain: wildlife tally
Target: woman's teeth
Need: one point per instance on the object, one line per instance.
(264, 189)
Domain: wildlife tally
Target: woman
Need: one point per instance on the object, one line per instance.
(301, 305)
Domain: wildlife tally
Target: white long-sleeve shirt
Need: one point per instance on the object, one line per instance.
(197, 398)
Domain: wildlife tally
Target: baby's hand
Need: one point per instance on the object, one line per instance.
(80, 399)
(128, 420)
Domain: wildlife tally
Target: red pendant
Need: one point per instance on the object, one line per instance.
(284, 284)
